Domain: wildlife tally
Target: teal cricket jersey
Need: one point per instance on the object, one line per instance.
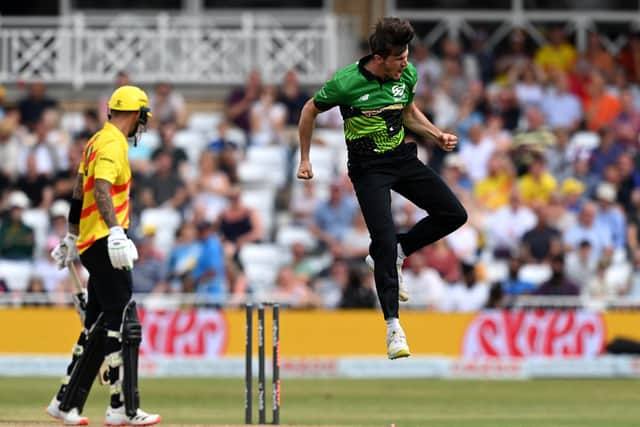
(371, 108)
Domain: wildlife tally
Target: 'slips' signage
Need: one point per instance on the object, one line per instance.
(534, 333)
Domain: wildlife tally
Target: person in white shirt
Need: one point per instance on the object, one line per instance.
(468, 295)
(476, 151)
(424, 284)
(508, 224)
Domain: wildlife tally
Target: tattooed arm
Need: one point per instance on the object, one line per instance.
(102, 194)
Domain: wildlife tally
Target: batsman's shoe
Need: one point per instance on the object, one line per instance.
(397, 346)
(53, 409)
(118, 417)
(403, 293)
(73, 418)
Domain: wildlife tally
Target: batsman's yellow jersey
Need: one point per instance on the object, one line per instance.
(104, 157)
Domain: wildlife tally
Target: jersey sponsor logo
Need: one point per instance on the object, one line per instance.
(371, 113)
(364, 97)
(398, 90)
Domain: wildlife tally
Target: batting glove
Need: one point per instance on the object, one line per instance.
(66, 251)
(122, 251)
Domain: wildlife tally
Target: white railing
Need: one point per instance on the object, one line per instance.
(80, 49)
(577, 22)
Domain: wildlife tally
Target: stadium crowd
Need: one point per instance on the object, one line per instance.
(546, 167)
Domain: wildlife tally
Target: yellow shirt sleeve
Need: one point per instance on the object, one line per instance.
(109, 162)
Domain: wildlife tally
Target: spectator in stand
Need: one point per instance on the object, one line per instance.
(150, 270)
(512, 285)
(36, 186)
(209, 273)
(600, 107)
(629, 57)
(557, 53)
(184, 256)
(543, 241)
(562, 108)
(16, 238)
(267, 119)
(493, 191)
(54, 279)
(475, 152)
(10, 147)
(606, 153)
(629, 180)
(222, 140)
(211, 187)
(535, 139)
(167, 132)
(587, 229)
(505, 103)
(556, 158)
(468, 295)
(537, 185)
(558, 214)
(515, 54)
(239, 224)
(507, 225)
(603, 286)
(527, 81)
(168, 105)
(573, 194)
(292, 291)
(33, 105)
(37, 295)
(334, 216)
(424, 284)
(164, 187)
(443, 259)
(303, 203)
(300, 263)
(329, 287)
(58, 214)
(599, 58)
(241, 100)
(559, 283)
(454, 172)
(427, 66)
(45, 154)
(627, 125)
(292, 97)
(228, 163)
(610, 216)
(65, 178)
(482, 56)
(360, 290)
(581, 265)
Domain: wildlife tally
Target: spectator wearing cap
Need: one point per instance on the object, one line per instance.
(16, 238)
(454, 172)
(610, 216)
(58, 213)
(573, 191)
(587, 229)
(537, 184)
(535, 139)
(606, 153)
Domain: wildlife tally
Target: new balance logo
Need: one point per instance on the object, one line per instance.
(364, 97)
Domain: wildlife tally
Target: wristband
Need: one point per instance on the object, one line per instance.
(74, 212)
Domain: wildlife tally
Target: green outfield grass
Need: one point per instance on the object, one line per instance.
(348, 402)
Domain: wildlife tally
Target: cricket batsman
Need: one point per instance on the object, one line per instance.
(97, 230)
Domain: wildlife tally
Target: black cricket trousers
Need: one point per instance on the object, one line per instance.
(400, 170)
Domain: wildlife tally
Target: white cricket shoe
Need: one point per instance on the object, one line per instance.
(397, 346)
(73, 418)
(53, 409)
(118, 417)
(403, 293)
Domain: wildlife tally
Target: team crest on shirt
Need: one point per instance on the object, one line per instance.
(398, 90)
